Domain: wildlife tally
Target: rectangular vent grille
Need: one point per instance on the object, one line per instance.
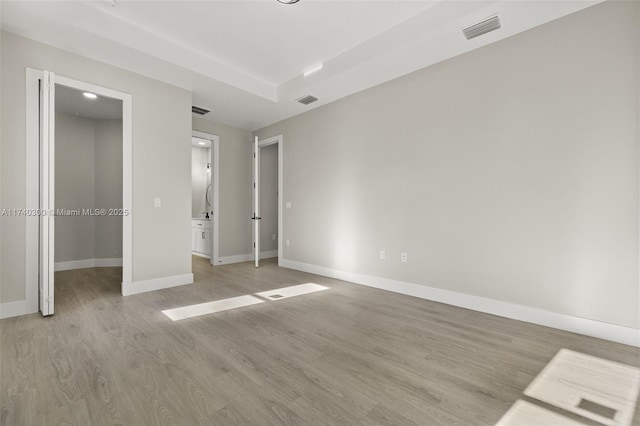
(488, 25)
(306, 100)
(198, 110)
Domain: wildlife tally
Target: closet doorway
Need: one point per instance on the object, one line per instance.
(79, 163)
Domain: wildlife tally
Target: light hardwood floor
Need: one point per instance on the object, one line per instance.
(347, 355)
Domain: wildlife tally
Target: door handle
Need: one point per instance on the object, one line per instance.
(255, 218)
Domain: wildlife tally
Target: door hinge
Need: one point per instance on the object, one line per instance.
(254, 245)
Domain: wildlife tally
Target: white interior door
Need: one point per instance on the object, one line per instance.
(47, 195)
(256, 202)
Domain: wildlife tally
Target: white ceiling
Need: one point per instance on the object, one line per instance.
(73, 101)
(264, 39)
(244, 60)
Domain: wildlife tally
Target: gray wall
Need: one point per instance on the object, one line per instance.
(88, 176)
(510, 172)
(235, 186)
(269, 198)
(75, 186)
(200, 179)
(108, 175)
(161, 160)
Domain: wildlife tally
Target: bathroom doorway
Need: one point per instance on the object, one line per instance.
(205, 190)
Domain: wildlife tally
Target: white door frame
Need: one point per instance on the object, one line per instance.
(47, 194)
(280, 142)
(33, 177)
(214, 159)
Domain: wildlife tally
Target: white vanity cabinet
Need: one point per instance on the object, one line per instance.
(201, 237)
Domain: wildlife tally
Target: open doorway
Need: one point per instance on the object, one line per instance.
(88, 193)
(205, 190)
(267, 199)
(41, 156)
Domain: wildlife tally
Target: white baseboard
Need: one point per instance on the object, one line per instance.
(87, 263)
(156, 284)
(268, 254)
(14, 309)
(599, 329)
(206, 256)
(21, 307)
(225, 260)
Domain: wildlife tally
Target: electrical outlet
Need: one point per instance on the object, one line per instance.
(157, 202)
(287, 243)
(382, 255)
(288, 205)
(273, 237)
(403, 257)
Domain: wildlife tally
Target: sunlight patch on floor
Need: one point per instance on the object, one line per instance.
(596, 388)
(211, 307)
(295, 290)
(578, 384)
(191, 311)
(523, 413)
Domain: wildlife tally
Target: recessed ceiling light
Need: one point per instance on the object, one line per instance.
(90, 95)
(311, 70)
(201, 143)
(288, 1)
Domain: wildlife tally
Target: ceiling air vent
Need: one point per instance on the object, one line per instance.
(306, 100)
(198, 110)
(488, 25)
